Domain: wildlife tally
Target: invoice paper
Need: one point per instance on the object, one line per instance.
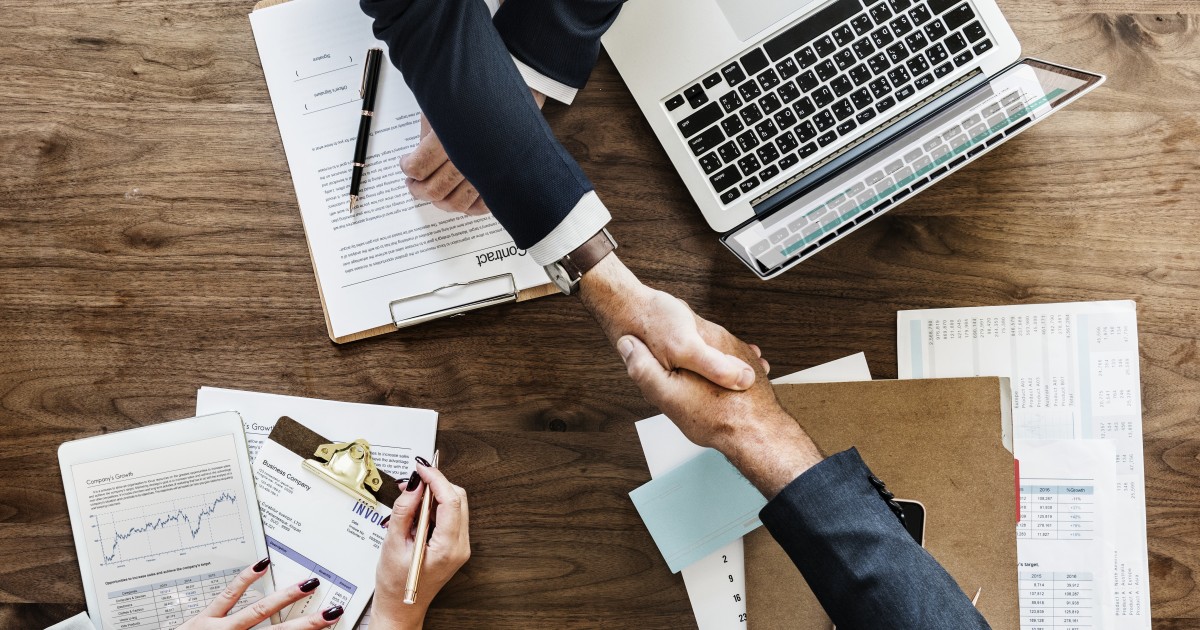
(1075, 375)
(391, 246)
(716, 583)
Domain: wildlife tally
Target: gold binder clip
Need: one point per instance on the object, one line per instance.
(348, 466)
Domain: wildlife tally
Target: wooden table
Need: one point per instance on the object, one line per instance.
(150, 244)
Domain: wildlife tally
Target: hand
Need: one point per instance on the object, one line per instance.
(433, 177)
(678, 338)
(449, 548)
(216, 615)
(750, 428)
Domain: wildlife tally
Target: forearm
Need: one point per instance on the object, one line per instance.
(559, 39)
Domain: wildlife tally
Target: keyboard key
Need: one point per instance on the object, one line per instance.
(827, 139)
(935, 30)
(747, 141)
(710, 162)
(913, 155)
(1010, 98)
(923, 81)
(880, 13)
(824, 46)
(787, 142)
(958, 16)
(899, 76)
(785, 119)
(749, 184)
(900, 25)
(769, 172)
(823, 120)
(730, 102)
(861, 98)
(878, 64)
(700, 120)
(725, 178)
(768, 80)
(899, 5)
(844, 59)
(804, 108)
(767, 153)
(729, 152)
(991, 110)
(811, 27)
(863, 48)
(951, 132)
(806, 57)
(733, 74)
(885, 104)
(897, 52)
(972, 120)
(770, 103)
(749, 90)
(943, 70)
(766, 129)
(917, 65)
(983, 46)
(841, 85)
(974, 32)
(864, 116)
(861, 24)
(751, 114)
(712, 80)
(696, 96)
(807, 81)
(940, 6)
(823, 96)
(808, 150)
(916, 40)
(789, 161)
(674, 102)
(874, 178)
(860, 74)
(729, 196)
(789, 92)
(826, 70)
(754, 61)
(963, 59)
(905, 92)
(843, 35)
(882, 37)
(937, 54)
(846, 127)
(880, 87)
(749, 164)
(732, 125)
(842, 109)
(787, 68)
(955, 43)
(706, 141)
(806, 131)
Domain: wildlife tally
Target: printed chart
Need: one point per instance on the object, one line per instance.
(168, 527)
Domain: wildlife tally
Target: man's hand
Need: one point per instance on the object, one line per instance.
(431, 176)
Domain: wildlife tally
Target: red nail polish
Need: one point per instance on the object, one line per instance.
(261, 565)
(385, 520)
(412, 483)
(423, 462)
(309, 585)
(332, 613)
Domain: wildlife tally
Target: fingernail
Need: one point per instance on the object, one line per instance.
(421, 461)
(308, 585)
(385, 520)
(261, 565)
(402, 482)
(625, 348)
(332, 613)
(412, 483)
(747, 378)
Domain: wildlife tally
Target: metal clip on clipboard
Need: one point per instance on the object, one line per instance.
(441, 295)
(348, 466)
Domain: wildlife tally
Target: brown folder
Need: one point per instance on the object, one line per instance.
(936, 441)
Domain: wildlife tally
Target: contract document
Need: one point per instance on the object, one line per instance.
(391, 246)
(1075, 376)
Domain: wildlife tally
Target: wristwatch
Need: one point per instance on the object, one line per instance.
(566, 272)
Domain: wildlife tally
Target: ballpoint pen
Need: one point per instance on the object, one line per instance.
(367, 91)
(419, 542)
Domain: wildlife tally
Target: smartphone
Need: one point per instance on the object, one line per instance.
(914, 519)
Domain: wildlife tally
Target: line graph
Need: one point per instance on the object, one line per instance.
(168, 527)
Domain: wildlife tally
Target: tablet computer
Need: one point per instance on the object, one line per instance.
(164, 517)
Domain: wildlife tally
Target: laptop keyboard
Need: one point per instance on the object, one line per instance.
(843, 67)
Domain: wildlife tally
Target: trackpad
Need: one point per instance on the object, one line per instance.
(750, 18)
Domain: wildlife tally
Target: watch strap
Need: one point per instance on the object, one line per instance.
(587, 255)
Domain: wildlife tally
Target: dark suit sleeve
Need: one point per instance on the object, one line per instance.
(469, 89)
(863, 566)
(558, 38)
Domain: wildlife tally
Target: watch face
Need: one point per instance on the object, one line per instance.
(558, 276)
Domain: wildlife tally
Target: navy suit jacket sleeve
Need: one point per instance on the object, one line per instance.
(558, 38)
(475, 100)
(863, 566)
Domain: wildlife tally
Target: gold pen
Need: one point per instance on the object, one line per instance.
(975, 601)
(419, 542)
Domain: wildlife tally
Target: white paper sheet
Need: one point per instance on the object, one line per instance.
(716, 584)
(390, 247)
(1075, 376)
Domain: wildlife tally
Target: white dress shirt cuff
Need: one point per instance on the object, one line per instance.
(588, 217)
(535, 80)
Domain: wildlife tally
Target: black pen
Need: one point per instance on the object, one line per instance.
(369, 83)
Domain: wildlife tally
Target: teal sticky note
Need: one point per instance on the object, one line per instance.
(698, 508)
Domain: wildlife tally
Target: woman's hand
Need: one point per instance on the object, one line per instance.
(216, 616)
(449, 547)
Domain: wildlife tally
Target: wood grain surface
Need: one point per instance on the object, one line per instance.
(150, 244)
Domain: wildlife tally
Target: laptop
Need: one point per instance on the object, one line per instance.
(794, 122)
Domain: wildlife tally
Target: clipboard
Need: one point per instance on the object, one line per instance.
(346, 465)
(427, 306)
